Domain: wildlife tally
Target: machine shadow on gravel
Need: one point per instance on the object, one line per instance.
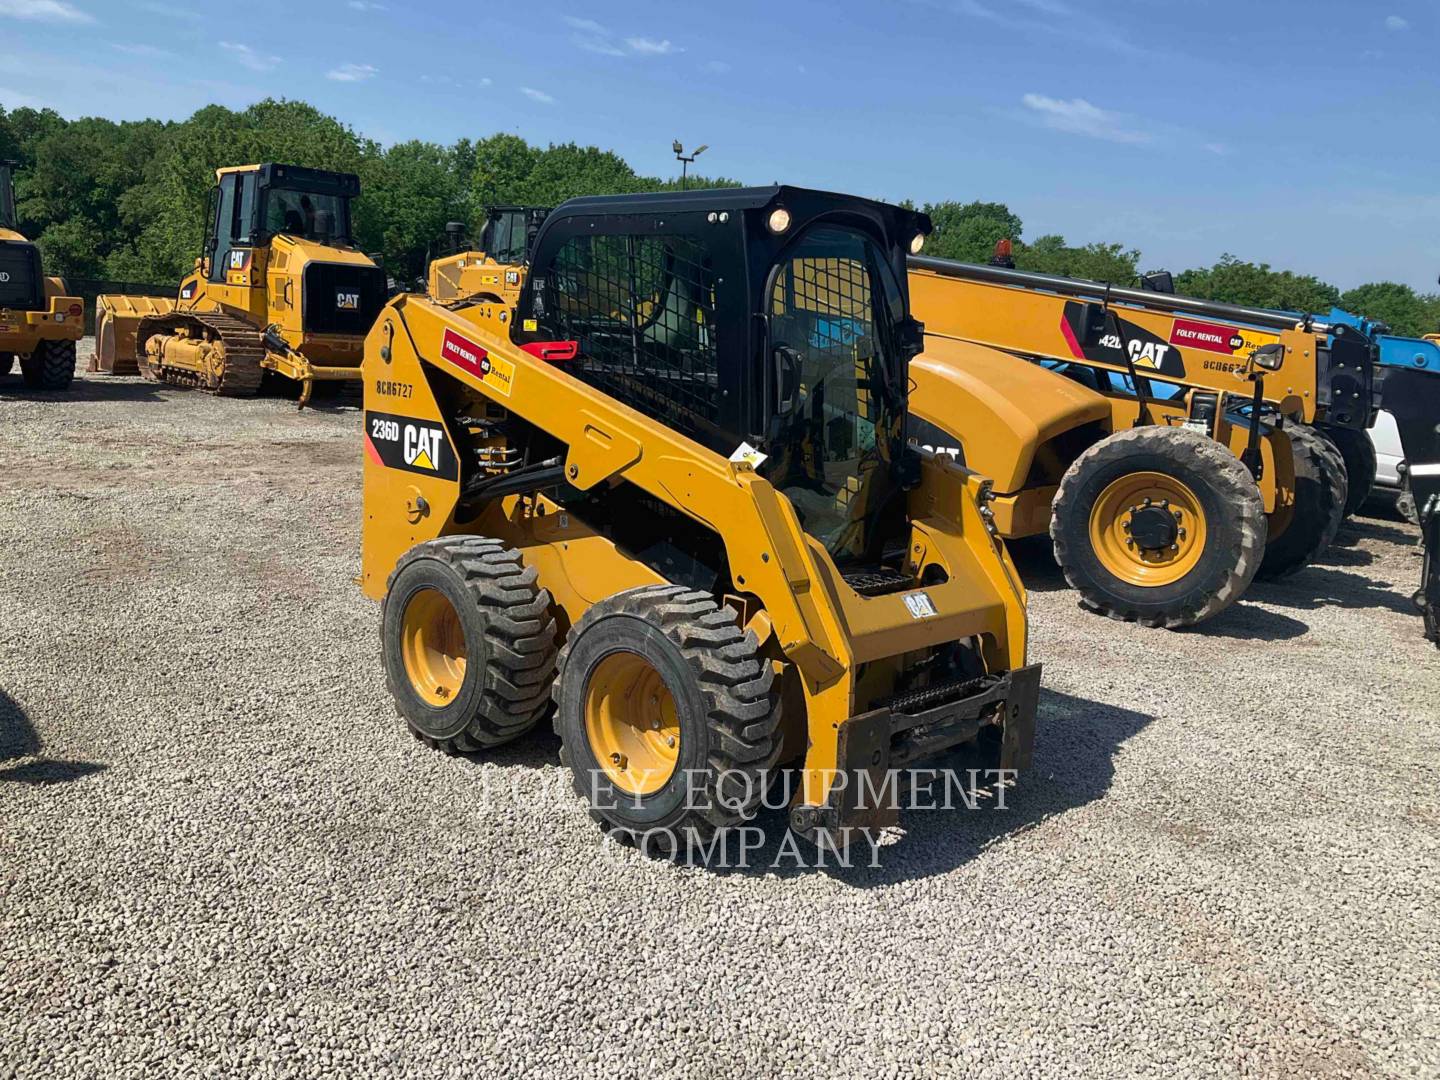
(18, 739)
(1318, 587)
(90, 390)
(1075, 746)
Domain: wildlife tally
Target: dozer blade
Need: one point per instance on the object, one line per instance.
(117, 321)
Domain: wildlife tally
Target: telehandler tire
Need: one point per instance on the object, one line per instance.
(1320, 494)
(1358, 453)
(668, 717)
(1160, 526)
(468, 641)
(7, 363)
(50, 367)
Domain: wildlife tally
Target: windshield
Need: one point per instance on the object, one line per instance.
(832, 312)
(324, 219)
(7, 200)
(504, 236)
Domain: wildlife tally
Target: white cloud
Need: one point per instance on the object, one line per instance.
(1078, 117)
(537, 95)
(486, 81)
(44, 11)
(352, 73)
(248, 57)
(650, 47)
(171, 11)
(149, 51)
(1396, 23)
(594, 37)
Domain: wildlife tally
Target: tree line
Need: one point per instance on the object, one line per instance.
(125, 201)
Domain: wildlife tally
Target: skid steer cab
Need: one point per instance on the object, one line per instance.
(279, 288)
(666, 499)
(39, 324)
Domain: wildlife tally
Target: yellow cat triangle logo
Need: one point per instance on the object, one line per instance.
(422, 461)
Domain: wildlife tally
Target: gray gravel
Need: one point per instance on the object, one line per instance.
(221, 854)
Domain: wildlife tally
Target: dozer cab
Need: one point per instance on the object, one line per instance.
(279, 287)
(39, 324)
(667, 497)
(496, 269)
(1167, 445)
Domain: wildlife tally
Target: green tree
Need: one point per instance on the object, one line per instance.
(1407, 314)
(408, 193)
(968, 231)
(1113, 263)
(1232, 281)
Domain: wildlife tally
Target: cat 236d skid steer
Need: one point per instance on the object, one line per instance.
(668, 495)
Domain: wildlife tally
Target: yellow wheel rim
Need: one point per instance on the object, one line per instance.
(631, 723)
(433, 647)
(1148, 529)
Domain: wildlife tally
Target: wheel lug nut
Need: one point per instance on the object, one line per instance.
(620, 760)
(1174, 547)
(670, 742)
(1177, 515)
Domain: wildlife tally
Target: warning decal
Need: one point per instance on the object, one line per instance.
(493, 371)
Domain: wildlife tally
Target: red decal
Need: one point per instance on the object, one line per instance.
(1069, 332)
(464, 353)
(1207, 336)
(371, 452)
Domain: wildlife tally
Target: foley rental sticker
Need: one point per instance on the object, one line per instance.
(1217, 338)
(403, 442)
(493, 371)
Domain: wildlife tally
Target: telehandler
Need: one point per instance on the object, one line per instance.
(668, 494)
(279, 287)
(1166, 444)
(39, 324)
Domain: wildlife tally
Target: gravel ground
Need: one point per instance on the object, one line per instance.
(221, 854)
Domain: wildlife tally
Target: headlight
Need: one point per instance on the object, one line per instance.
(917, 243)
(779, 220)
(1269, 357)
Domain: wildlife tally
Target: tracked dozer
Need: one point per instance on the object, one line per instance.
(280, 288)
(39, 324)
(495, 269)
(1173, 448)
(666, 499)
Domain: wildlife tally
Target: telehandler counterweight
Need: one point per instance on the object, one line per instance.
(1168, 445)
(39, 324)
(280, 287)
(667, 494)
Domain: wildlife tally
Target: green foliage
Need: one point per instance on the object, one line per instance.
(968, 231)
(127, 201)
(1256, 285)
(1113, 263)
(1408, 314)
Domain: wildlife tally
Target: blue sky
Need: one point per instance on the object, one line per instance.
(1300, 134)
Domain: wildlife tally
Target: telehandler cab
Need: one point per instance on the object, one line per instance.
(1166, 444)
(39, 324)
(280, 287)
(668, 493)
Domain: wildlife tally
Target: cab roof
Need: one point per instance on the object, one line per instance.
(704, 199)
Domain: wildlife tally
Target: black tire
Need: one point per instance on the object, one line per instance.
(725, 700)
(50, 367)
(1320, 494)
(509, 642)
(7, 363)
(1227, 496)
(1358, 454)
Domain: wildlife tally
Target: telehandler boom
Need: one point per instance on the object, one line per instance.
(669, 490)
(280, 287)
(39, 324)
(1168, 445)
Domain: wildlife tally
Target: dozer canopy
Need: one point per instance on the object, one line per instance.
(252, 203)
